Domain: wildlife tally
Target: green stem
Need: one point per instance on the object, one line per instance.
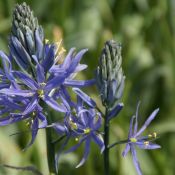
(50, 152)
(117, 143)
(106, 142)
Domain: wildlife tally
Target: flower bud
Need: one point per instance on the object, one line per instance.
(109, 74)
(28, 34)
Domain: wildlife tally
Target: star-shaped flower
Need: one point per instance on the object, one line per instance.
(135, 138)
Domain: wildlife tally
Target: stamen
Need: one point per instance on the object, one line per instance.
(73, 125)
(133, 140)
(76, 139)
(87, 130)
(40, 92)
(146, 143)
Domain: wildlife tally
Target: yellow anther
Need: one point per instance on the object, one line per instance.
(154, 134)
(133, 140)
(76, 139)
(146, 143)
(46, 41)
(87, 130)
(40, 92)
(42, 84)
(33, 114)
(73, 125)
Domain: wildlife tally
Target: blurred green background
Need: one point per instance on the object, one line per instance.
(146, 29)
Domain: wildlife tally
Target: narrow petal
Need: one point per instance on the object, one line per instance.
(67, 61)
(135, 160)
(43, 120)
(34, 130)
(148, 145)
(79, 83)
(12, 92)
(75, 147)
(99, 141)
(80, 67)
(115, 111)
(40, 74)
(26, 80)
(84, 97)
(76, 60)
(52, 103)
(49, 59)
(39, 44)
(130, 134)
(148, 121)
(136, 119)
(60, 128)
(126, 150)
(31, 106)
(86, 152)
(55, 82)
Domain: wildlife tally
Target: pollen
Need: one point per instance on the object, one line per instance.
(133, 140)
(153, 135)
(76, 139)
(42, 84)
(87, 130)
(146, 143)
(40, 92)
(73, 125)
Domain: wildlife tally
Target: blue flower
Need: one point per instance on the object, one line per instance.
(135, 138)
(83, 125)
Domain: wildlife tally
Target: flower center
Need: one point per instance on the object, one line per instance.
(73, 125)
(87, 130)
(133, 140)
(40, 93)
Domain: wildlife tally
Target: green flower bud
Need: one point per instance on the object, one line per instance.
(109, 74)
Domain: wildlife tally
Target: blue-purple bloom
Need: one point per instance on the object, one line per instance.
(46, 84)
(83, 125)
(135, 138)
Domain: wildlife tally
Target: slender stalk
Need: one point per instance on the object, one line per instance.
(50, 150)
(106, 142)
(117, 143)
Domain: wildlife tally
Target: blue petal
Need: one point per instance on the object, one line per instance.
(26, 80)
(31, 106)
(79, 83)
(67, 61)
(130, 134)
(60, 128)
(40, 74)
(43, 120)
(39, 45)
(99, 141)
(49, 59)
(126, 150)
(84, 97)
(52, 103)
(23, 93)
(147, 122)
(86, 152)
(136, 119)
(115, 111)
(54, 82)
(34, 130)
(76, 61)
(80, 67)
(135, 160)
(150, 145)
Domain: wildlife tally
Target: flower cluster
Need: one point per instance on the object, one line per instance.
(36, 76)
(41, 81)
